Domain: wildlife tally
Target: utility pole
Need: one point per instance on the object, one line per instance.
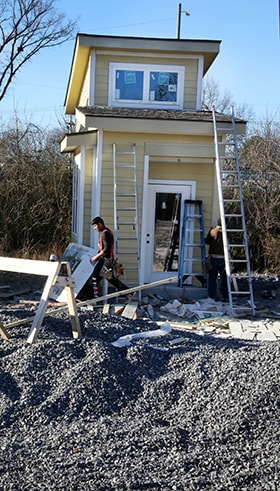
(180, 11)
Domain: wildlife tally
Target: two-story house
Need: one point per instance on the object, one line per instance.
(141, 144)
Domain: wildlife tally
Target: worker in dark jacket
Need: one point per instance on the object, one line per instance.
(214, 239)
(104, 257)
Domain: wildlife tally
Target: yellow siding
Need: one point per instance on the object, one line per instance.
(102, 75)
(190, 88)
(202, 173)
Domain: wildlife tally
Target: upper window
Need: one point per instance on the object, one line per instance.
(133, 85)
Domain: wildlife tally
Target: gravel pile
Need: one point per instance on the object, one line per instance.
(179, 412)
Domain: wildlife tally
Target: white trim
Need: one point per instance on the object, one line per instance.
(200, 68)
(144, 218)
(166, 182)
(93, 193)
(81, 190)
(96, 185)
(145, 101)
(92, 67)
(75, 197)
(155, 186)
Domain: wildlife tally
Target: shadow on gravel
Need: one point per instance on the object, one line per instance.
(60, 377)
(9, 386)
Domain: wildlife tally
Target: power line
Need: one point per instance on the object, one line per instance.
(134, 24)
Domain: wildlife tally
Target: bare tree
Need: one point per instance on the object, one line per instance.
(223, 101)
(260, 167)
(26, 27)
(259, 154)
(35, 191)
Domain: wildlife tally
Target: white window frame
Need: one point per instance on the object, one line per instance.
(145, 102)
(75, 199)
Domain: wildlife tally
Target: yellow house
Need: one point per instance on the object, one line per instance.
(142, 145)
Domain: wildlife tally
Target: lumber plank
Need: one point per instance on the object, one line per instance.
(236, 328)
(130, 310)
(128, 291)
(4, 333)
(118, 309)
(106, 308)
(14, 293)
(29, 266)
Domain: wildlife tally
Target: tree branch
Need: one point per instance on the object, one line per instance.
(27, 27)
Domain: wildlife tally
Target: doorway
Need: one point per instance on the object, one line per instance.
(164, 211)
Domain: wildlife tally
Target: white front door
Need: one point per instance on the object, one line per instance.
(165, 204)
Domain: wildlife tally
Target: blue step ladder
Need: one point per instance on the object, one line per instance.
(192, 254)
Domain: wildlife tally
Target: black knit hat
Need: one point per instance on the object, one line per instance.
(97, 220)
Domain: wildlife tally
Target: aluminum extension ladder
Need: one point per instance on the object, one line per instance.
(126, 221)
(232, 216)
(192, 251)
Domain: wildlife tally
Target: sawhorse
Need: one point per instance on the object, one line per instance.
(57, 274)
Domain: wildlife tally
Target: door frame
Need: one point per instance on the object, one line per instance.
(153, 186)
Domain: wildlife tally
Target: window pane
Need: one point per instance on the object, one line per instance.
(163, 86)
(129, 85)
(167, 231)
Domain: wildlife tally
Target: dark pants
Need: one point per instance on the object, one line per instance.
(218, 267)
(96, 278)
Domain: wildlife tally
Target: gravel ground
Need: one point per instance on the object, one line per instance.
(178, 412)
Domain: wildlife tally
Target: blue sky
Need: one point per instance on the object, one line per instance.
(248, 64)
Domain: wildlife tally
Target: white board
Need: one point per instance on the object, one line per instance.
(78, 257)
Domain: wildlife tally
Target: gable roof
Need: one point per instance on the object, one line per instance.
(86, 42)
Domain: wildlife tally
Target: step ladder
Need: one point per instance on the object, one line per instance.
(192, 251)
(172, 254)
(232, 217)
(126, 209)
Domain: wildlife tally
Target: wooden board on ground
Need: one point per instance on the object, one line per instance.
(106, 308)
(236, 328)
(118, 309)
(3, 332)
(14, 293)
(94, 301)
(130, 310)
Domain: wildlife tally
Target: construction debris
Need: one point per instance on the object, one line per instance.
(204, 316)
(210, 317)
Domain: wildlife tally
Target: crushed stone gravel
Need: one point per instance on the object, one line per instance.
(179, 412)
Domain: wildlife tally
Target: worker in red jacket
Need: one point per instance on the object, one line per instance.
(104, 259)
